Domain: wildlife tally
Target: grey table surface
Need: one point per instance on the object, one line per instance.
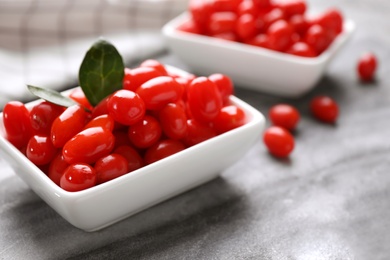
(329, 200)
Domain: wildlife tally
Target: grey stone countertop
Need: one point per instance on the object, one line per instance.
(329, 200)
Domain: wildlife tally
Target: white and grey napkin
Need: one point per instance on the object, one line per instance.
(43, 42)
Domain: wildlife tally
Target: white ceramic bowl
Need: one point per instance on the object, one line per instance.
(105, 204)
(250, 66)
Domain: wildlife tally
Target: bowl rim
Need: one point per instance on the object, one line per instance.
(254, 117)
(170, 30)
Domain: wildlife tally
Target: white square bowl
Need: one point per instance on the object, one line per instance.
(249, 66)
(105, 204)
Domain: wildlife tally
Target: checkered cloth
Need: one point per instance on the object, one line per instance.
(42, 42)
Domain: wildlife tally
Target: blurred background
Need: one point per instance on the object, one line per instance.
(43, 42)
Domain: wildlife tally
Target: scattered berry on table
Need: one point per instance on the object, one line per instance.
(324, 108)
(279, 141)
(366, 66)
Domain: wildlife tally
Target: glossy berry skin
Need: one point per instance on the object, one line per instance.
(265, 20)
(228, 36)
(230, 117)
(224, 84)
(78, 177)
(88, 146)
(43, 115)
(189, 26)
(40, 150)
(78, 95)
(204, 99)
(173, 120)
(184, 83)
(246, 26)
(150, 63)
(225, 5)
(262, 3)
(57, 168)
(293, 7)
(324, 109)
(279, 142)
(110, 167)
(331, 19)
(105, 121)
(101, 108)
(145, 133)
(197, 133)
(163, 149)
(247, 7)
(302, 49)
(260, 40)
(69, 123)
(317, 37)
(158, 92)
(284, 22)
(279, 35)
(299, 24)
(200, 11)
(285, 116)
(134, 78)
(366, 66)
(221, 22)
(134, 160)
(17, 123)
(126, 107)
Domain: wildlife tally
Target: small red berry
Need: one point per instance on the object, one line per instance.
(302, 49)
(110, 167)
(230, 117)
(189, 26)
(17, 123)
(78, 95)
(145, 133)
(224, 84)
(245, 27)
(159, 91)
(43, 115)
(162, 149)
(88, 146)
(324, 109)
(78, 177)
(126, 107)
(366, 66)
(279, 141)
(134, 159)
(318, 38)
(40, 150)
(204, 99)
(284, 115)
(279, 35)
(67, 125)
(197, 132)
(57, 168)
(222, 22)
(155, 65)
(331, 19)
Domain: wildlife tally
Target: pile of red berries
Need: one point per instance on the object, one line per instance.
(156, 114)
(279, 25)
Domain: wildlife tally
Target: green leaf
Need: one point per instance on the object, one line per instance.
(101, 72)
(52, 96)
